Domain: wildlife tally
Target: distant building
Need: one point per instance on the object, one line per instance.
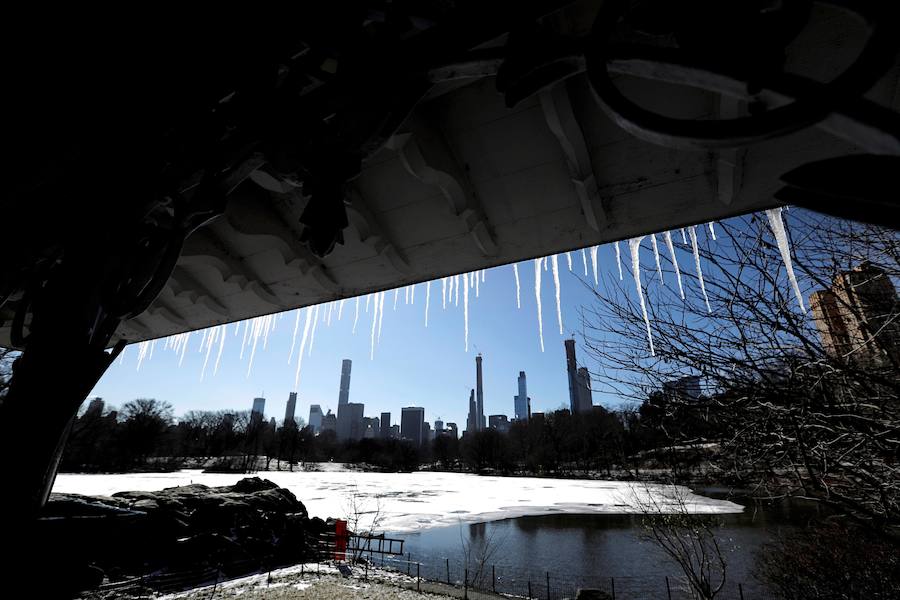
(395, 432)
(857, 317)
(472, 419)
(350, 421)
(438, 427)
(385, 425)
(329, 422)
(291, 407)
(258, 410)
(344, 392)
(499, 422)
(580, 399)
(521, 401)
(412, 424)
(683, 388)
(479, 395)
(94, 409)
(452, 430)
(315, 417)
(427, 433)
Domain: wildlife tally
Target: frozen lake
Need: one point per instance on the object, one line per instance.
(412, 502)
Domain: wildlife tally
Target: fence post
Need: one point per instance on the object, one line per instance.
(529, 589)
(612, 585)
(466, 584)
(548, 585)
(408, 559)
(418, 579)
(741, 590)
(668, 589)
(367, 571)
(494, 578)
(448, 571)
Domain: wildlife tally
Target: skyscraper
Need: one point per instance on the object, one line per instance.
(315, 417)
(499, 422)
(344, 393)
(857, 317)
(259, 408)
(385, 425)
(94, 409)
(291, 407)
(471, 420)
(412, 424)
(350, 421)
(479, 395)
(452, 430)
(520, 401)
(579, 382)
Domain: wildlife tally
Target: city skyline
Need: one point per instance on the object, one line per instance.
(411, 362)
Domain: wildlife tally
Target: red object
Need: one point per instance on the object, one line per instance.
(340, 539)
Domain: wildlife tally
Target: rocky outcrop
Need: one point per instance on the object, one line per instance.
(238, 528)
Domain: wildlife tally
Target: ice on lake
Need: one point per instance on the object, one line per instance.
(408, 502)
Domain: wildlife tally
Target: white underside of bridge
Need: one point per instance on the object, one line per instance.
(468, 183)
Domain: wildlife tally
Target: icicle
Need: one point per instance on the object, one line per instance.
(412, 294)
(555, 271)
(619, 261)
(244, 343)
(693, 233)
(312, 334)
(406, 291)
(237, 328)
(328, 318)
(683, 239)
(594, 265)
(294, 337)
(396, 295)
(584, 260)
(152, 346)
(427, 301)
(203, 341)
(142, 352)
(712, 230)
(569, 260)
(443, 293)
(656, 256)
(356, 318)
(341, 308)
(456, 286)
(368, 298)
(122, 355)
(634, 245)
(187, 336)
(380, 316)
(777, 225)
(671, 247)
(374, 328)
(221, 347)
(476, 285)
(537, 296)
(466, 313)
(516, 273)
(545, 263)
(211, 336)
(254, 336)
(306, 327)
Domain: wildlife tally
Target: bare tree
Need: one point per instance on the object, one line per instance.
(364, 517)
(688, 539)
(479, 551)
(793, 416)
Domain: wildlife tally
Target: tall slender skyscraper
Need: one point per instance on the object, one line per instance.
(579, 382)
(291, 407)
(259, 408)
(479, 395)
(520, 402)
(344, 394)
(412, 424)
(315, 417)
(385, 425)
(471, 420)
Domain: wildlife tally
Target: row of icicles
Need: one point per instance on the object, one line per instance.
(259, 328)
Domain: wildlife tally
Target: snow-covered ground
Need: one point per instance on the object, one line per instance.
(406, 502)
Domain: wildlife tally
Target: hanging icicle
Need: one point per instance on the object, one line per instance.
(396, 294)
(537, 296)
(619, 261)
(221, 347)
(312, 334)
(569, 260)
(412, 294)
(356, 318)
(380, 316)
(656, 256)
(443, 293)
(456, 287)
(341, 308)
(777, 224)
(516, 273)
(466, 310)
(594, 264)
(634, 244)
(584, 260)
(555, 271)
(671, 247)
(427, 301)
(406, 292)
(368, 299)
(477, 284)
(683, 238)
(374, 329)
(693, 233)
(294, 336)
(712, 230)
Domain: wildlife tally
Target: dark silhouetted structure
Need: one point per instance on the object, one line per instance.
(412, 424)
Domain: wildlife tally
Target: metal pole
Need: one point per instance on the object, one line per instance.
(494, 578)
(668, 589)
(408, 563)
(418, 579)
(529, 589)
(466, 583)
(548, 585)
(612, 584)
(448, 571)
(741, 591)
